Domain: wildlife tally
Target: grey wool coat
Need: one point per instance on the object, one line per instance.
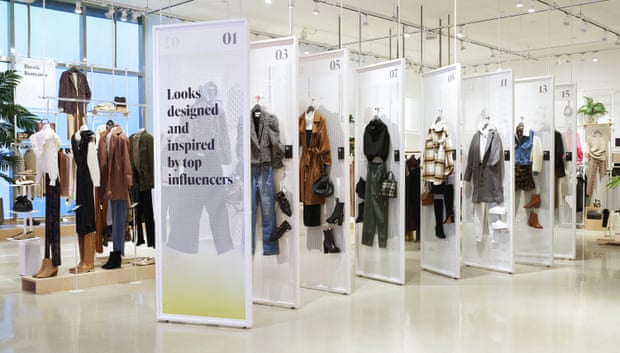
(266, 147)
(486, 175)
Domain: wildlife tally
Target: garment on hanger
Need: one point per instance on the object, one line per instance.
(438, 160)
(559, 169)
(315, 152)
(45, 144)
(412, 192)
(485, 166)
(376, 143)
(528, 158)
(74, 94)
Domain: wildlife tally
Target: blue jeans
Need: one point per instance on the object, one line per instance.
(263, 191)
(119, 216)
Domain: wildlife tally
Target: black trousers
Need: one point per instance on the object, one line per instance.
(144, 213)
(52, 221)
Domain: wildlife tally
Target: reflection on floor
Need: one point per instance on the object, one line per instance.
(572, 307)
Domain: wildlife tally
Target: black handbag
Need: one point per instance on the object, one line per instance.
(389, 186)
(120, 103)
(360, 188)
(323, 186)
(22, 204)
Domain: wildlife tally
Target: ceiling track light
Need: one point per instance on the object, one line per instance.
(558, 61)
(492, 52)
(531, 9)
(134, 16)
(430, 35)
(124, 15)
(268, 2)
(519, 4)
(604, 39)
(315, 11)
(566, 21)
(567, 59)
(78, 7)
(365, 20)
(584, 26)
(110, 12)
(595, 57)
(460, 34)
(463, 45)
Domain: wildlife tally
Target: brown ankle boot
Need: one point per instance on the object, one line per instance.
(43, 265)
(533, 221)
(534, 202)
(81, 263)
(49, 270)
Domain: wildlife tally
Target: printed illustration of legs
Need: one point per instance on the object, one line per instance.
(263, 193)
(184, 211)
(375, 209)
(219, 221)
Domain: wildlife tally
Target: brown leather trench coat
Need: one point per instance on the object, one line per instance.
(310, 164)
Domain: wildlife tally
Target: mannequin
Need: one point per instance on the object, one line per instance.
(142, 167)
(45, 144)
(116, 179)
(88, 177)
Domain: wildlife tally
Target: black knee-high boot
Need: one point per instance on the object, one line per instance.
(438, 205)
(448, 197)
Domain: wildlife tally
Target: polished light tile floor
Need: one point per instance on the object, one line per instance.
(571, 307)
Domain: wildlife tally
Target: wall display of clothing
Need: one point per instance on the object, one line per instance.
(379, 140)
(275, 229)
(488, 189)
(440, 235)
(565, 171)
(323, 111)
(203, 173)
(73, 96)
(534, 166)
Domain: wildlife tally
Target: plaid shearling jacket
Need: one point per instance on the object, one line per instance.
(438, 162)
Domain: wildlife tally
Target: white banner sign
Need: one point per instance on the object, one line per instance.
(200, 107)
(38, 81)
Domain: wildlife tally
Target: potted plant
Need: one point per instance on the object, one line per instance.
(11, 114)
(592, 110)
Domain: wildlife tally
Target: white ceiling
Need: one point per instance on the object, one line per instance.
(490, 23)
